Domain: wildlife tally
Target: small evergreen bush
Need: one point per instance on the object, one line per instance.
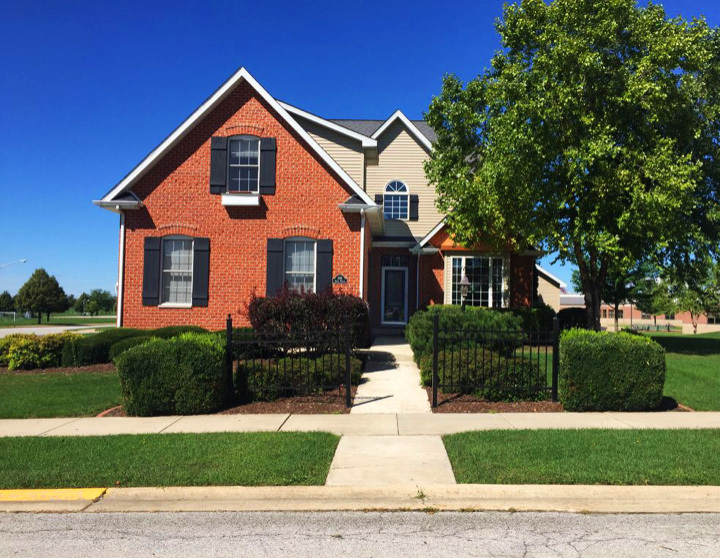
(419, 331)
(603, 371)
(183, 375)
(27, 352)
(95, 349)
(570, 318)
(121, 346)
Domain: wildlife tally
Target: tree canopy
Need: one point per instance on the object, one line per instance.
(593, 135)
(41, 294)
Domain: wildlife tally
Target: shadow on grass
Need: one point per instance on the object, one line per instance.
(687, 345)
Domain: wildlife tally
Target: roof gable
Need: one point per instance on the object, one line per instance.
(242, 75)
(414, 131)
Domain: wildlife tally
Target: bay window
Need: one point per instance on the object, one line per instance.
(485, 275)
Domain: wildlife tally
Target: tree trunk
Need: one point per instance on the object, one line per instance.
(592, 306)
(617, 305)
(48, 317)
(39, 314)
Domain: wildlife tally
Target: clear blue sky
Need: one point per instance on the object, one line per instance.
(87, 89)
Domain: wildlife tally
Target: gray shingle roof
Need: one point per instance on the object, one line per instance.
(369, 127)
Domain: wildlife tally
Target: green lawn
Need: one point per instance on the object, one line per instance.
(24, 395)
(57, 320)
(693, 369)
(618, 457)
(247, 459)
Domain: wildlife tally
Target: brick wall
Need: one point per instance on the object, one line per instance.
(177, 201)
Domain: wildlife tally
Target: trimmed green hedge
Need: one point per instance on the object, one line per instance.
(603, 371)
(570, 318)
(538, 318)
(29, 351)
(184, 375)
(419, 331)
(121, 346)
(487, 375)
(95, 349)
(296, 374)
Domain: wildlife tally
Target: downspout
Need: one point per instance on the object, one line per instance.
(362, 253)
(121, 270)
(417, 286)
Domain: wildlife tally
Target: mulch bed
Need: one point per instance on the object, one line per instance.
(455, 403)
(331, 403)
(63, 369)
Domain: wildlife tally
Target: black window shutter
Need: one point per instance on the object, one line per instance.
(275, 268)
(324, 265)
(268, 152)
(413, 207)
(218, 165)
(151, 272)
(201, 271)
(379, 199)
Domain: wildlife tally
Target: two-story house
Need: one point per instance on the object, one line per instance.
(250, 193)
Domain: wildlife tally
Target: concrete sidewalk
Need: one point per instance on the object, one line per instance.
(559, 498)
(414, 424)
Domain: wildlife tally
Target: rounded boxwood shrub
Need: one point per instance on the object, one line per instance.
(487, 375)
(27, 352)
(604, 371)
(419, 331)
(173, 331)
(183, 375)
(537, 318)
(121, 346)
(572, 318)
(95, 348)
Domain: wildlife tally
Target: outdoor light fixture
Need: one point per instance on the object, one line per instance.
(464, 288)
(11, 263)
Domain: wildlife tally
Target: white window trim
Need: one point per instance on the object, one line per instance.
(406, 194)
(300, 239)
(230, 192)
(382, 293)
(162, 271)
(491, 257)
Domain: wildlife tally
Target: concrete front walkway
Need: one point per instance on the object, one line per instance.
(391, 382)
(394, 425)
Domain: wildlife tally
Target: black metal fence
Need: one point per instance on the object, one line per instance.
(497, 365)
(265, 366)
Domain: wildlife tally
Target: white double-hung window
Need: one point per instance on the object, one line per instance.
(177, 271)
(300, 261)
(485, 275)
(244, 164)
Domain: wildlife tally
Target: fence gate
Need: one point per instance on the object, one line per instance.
(495, 364)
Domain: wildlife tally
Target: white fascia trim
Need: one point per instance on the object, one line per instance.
(367, 142)
(436, 229)
(209, 104)
(398, 115)
(392, 244)
(544, 271)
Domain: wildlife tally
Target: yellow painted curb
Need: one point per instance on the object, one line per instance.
(51, 494)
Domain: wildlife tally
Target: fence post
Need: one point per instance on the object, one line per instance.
(348, 371)
(436, 333)
(556, 358)
(229, 360)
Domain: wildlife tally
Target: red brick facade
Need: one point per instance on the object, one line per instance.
(176, 199)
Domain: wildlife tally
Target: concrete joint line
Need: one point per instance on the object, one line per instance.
(625, 424)
(60, 426)
(283, 422)
(169, 425)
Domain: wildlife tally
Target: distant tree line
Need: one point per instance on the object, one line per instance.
(42, 295)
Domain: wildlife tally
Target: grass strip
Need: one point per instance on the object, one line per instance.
(46, 395)
(246, 459)
(611, 457)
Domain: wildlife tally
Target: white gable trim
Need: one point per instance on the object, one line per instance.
(398, 115)
(366, 141)
(182, 130)
(436, 229)
(562, 284)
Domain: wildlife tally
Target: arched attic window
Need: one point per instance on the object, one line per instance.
(396, 201)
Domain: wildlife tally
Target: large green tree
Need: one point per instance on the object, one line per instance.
(41, 294)
(697, 290)
(6, 302)
(593, 135)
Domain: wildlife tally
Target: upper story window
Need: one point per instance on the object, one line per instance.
(396, 201)
(244, 164)
(300, 264)
(177, 270)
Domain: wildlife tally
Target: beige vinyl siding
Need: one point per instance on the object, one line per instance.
(401, 157)
(346, 152)
(549, 292)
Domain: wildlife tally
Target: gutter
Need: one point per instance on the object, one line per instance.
(121, 271)
(361, 290)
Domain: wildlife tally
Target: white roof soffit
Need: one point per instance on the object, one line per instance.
(242, 74)
(398, 115)
(544, 271)
(366, 141)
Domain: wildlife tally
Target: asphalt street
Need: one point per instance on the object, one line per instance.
(358, 534)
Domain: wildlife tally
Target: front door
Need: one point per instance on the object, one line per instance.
(394, 295)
